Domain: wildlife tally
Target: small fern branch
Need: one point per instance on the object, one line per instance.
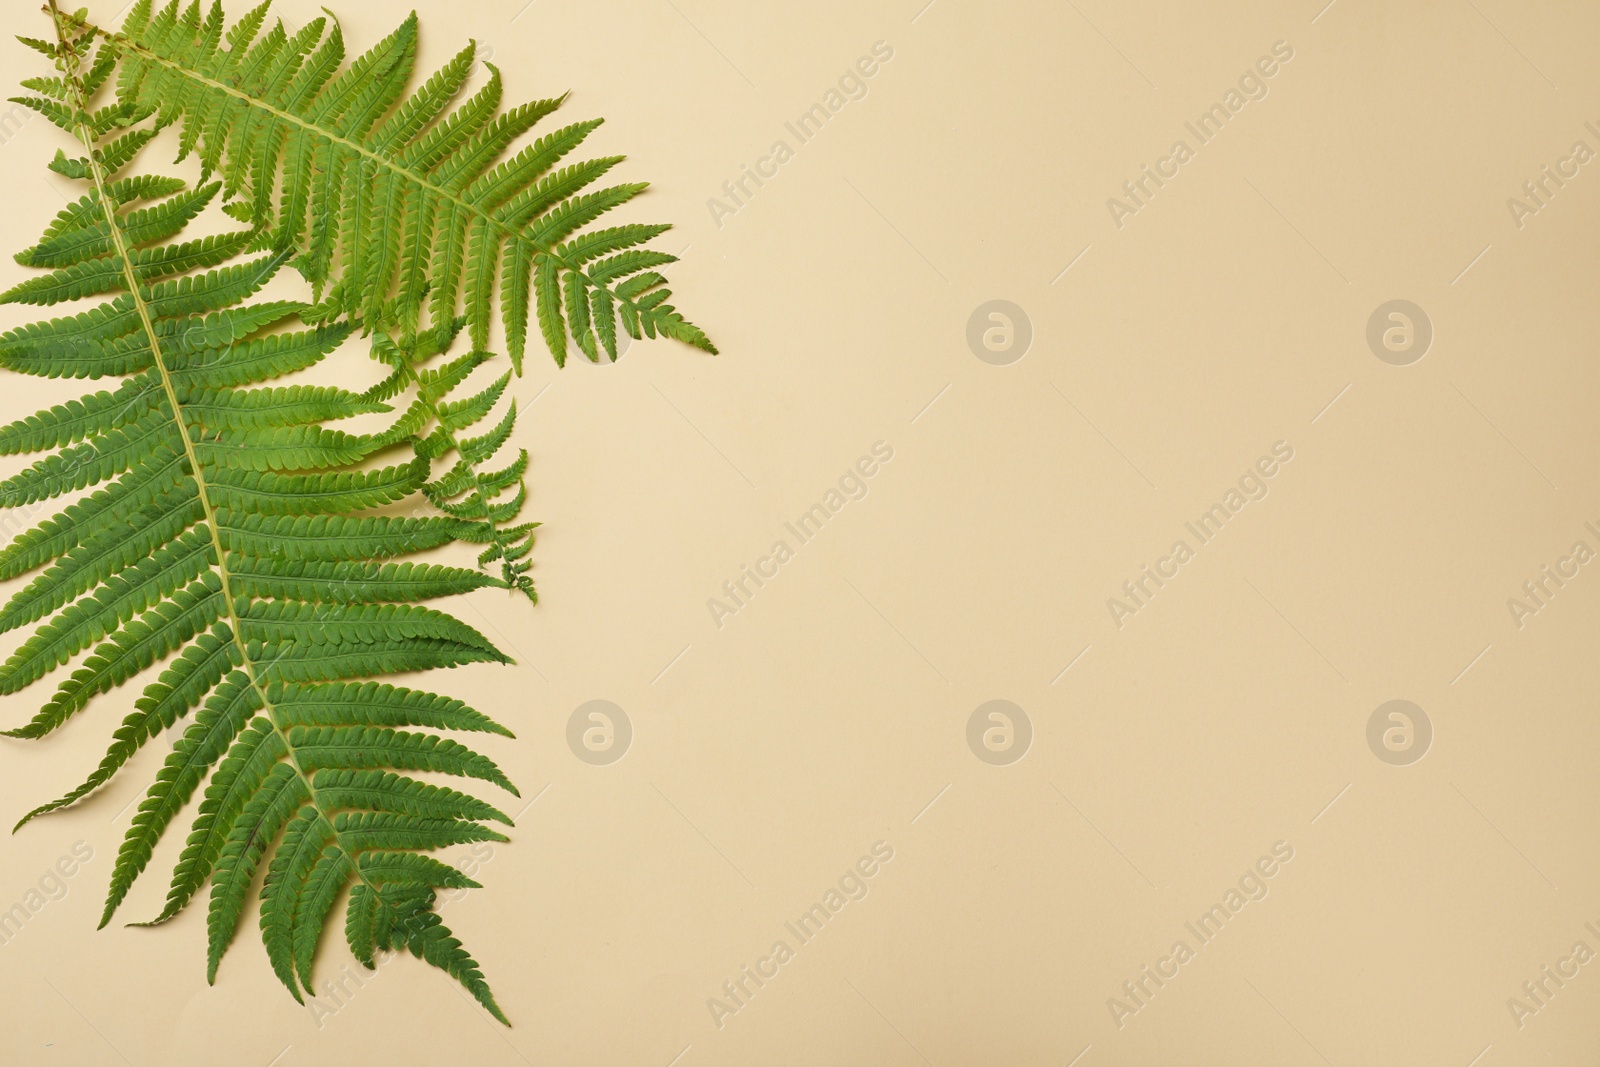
(467, 491)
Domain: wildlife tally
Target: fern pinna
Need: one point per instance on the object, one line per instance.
(229, 533)
(388, 198)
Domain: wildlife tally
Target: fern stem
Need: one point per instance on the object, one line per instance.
(71, 72)
(421, 180)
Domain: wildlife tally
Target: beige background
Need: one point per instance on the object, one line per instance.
(830, 713)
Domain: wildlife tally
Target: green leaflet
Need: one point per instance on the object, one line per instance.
(331, 537)
(402, 830)
(345, 581)
(395, 913)
(256, 409)
(104, 511)
(360, 920)
(333, 871)
(227, 532)
(294, 448)
(205, 741)
(69, 423)
(154, 635)
(285, 623)
(81, 233)
(408, 869)
(123, 317)
(376, 704)
(272, 804)
(192, 674)
(330, 662)
(105, 274)
(321, 493)
(103, 456)
(362, 747)
(219, 354)
(383, 791)
(240, 776)
(139, 533)
(303, 842)
(131, 590)
(85, 213)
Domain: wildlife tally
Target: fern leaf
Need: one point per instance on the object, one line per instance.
(376, 193)
(223, 530)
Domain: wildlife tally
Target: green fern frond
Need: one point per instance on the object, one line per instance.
(386, 195)
(225, 535)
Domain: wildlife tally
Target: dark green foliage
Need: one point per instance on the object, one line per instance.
(228, 534)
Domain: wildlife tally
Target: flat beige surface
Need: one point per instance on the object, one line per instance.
(1224, 719)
